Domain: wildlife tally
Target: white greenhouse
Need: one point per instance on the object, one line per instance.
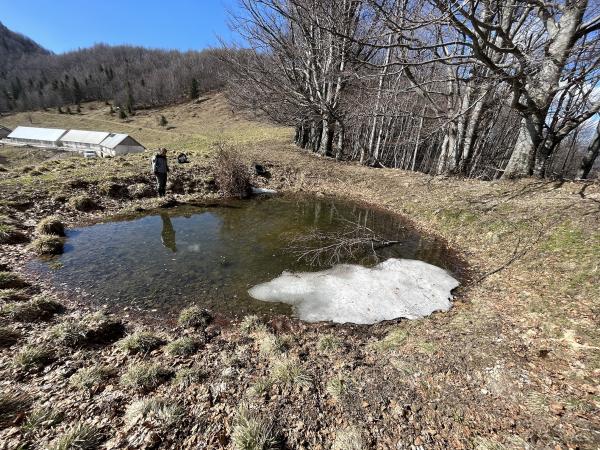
(104, 143)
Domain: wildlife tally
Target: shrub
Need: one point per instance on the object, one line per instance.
(252, 431)
(91, 378)
(184, 346)
(82, 203)
(33, 357)
(91, 329)
(51, 225)
(48, 245)
(329, 343)
(160, 412)
(194, 317)
(8, 337)
(140, 342)
(12, 404)
(145, 376)
(10, 280)
(31, 311)
(290, 372)
(80, 436)
(231, 175)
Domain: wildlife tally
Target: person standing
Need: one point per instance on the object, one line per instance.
(160, 168)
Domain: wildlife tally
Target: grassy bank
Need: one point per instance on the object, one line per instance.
(513, 365)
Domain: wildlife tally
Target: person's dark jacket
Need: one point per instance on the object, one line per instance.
(159, 164)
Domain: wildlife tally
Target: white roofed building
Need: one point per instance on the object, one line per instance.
(36, 137)
(103, 143)
(83, 140)
(120, 144)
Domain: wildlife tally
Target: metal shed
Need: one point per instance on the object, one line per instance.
(83, 139)
(119, 144)
(36, 137)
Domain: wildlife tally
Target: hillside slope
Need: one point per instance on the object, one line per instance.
(14, 45)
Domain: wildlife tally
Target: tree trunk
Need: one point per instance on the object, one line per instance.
(520, 163)
(590, 156)
(326, 145)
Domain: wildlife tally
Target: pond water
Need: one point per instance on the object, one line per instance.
(164, 261)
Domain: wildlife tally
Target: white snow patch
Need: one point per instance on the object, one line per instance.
(356, 294)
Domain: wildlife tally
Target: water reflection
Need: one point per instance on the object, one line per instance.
(167, 235)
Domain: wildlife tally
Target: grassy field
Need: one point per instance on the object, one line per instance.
(514, 364)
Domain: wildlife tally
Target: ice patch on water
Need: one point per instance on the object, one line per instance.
(263, 191)
(350, 293)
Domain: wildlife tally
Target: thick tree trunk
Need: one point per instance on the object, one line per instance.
(590, 156)
(326, 145)
(521, 161)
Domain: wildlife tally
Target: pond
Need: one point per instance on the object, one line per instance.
(211, 256)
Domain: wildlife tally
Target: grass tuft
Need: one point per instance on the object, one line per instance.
(338, 387)
(48, 245)
(260, 387)
(8, 337)
(270, 345)
(160, 412)
(392, 340)
(34, 310)
(144, 376)
(350, 438)
(194, 317)
(12, 404)
(91, 378)
(41, 419)
(250, 324)
(140, 342)
(290, 372)
(80, 436)
(52, 226)
(82, 203)
(10, 280)
(13, 295)
(329, 343)
(91, 329)
(34, 357)
(231, 174)
(184, 346)
(252, 431)
(189, 376)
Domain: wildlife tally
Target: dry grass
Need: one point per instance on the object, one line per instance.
(189, 376)
(11, 405)
(290, 372)
(34, 357)
(48, 245)
(80, 436)
(40, 420)
(140, 342)
(184, 346)
(162, 413)
(51, 226)
(88, 330)
(91, 378)
(232, 177)
(8, 337)
(145, 376)
(10, 280)
(251, 431)
(350, 438)
(83, 203)
(194, 317)
(37, 309)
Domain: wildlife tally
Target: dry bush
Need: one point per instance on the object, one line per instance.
(231, 174)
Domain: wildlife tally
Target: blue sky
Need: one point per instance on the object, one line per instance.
(62, 25)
